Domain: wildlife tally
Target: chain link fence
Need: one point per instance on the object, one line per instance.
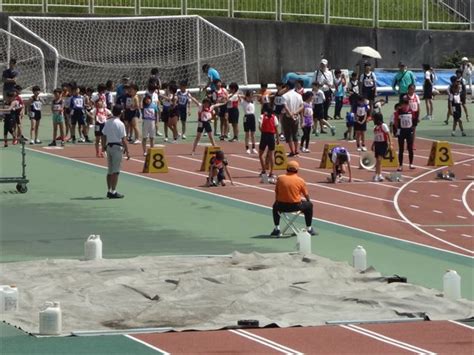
(420, 14)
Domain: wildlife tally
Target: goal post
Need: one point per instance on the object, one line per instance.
(30, 60)
(93, 50)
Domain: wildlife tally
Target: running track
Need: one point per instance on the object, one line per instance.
(442, 337)
(421, 209)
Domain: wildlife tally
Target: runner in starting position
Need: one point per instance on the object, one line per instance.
(218, 169)
(340, 156)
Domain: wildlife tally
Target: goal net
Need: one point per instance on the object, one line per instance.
(93, 50)
(29, 58)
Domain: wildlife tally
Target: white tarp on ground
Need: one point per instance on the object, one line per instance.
(214, 292)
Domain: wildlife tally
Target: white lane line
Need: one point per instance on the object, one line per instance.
(414, 206)
(433, 195)
(470, 176)
(350, 192)
(393, 343)
(468, 146)
(164, 182)
(461, 324)
(462, 217)
(457, 200)
(466, 165)
(378, 215)
(293, 351)
(280, 348)
(147, 344)
(436, 211)
(453, 185)
(464, 198)
(402, 215)
(413, 191)
(441, 230)
(466, 235)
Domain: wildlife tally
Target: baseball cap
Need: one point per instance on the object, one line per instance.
(324, 61)
(402, 64)
(292, 166)
(464, 59)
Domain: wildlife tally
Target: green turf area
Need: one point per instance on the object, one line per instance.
(345, 12)
(14, 341)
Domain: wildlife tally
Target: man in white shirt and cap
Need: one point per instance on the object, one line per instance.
(466, 67)
(323, 76)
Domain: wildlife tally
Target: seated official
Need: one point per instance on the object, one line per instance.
(289, 190)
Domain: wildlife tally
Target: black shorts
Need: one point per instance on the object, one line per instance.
(222, 111)
(77, 117)
(204, 126)
(368, 93)
(35, 115)
(9, 124)
(249, 123)
(17, 118)
(360, 126)
(233, 115)
(457, 113)
(427, 92)
(183, 112)
(130, 114)
(98, 129)
(380, 149)
(290, 129)
(267, 140)
(165, 115)
(278, 109)
(318, 111)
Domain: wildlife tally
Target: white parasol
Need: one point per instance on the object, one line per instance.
(367, 51)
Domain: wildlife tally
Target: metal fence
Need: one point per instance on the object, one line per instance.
(424, 14)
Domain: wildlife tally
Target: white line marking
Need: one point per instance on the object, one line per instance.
(451, 143)
(457, 200)
(266, 340)
(413, 191)
(436, 211)
(252, 203)
(466, 165)
(260, 342)
(464, 199)
(470, 176)
(147, 344)
(462, 217)
(441, 230)
(378, 215)
(379, 339)
(414, 206)
(401, 214)
(461, 324)
(453, 185)
(350, 192)
(433, 195)
(466, 235)
(410, 346)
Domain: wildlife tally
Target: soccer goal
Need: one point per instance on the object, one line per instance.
(30, 60)
(93, 50)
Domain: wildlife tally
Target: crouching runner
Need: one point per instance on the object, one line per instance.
(218, 169)
(340, 156)
(289, 190)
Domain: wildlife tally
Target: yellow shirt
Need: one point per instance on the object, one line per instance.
(290, 188)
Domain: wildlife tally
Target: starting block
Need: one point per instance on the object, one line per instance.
(395, 177)
(445, 175)
(326, 163)
(290, 219)
(265, 179)
(209, 152)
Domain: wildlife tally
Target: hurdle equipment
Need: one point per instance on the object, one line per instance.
(326, 163)
(440, 154)
(209, 152)
(446, 175)
(280, 160)
(155, 161)
(290, 220)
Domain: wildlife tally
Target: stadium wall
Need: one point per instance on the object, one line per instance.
(274, 48)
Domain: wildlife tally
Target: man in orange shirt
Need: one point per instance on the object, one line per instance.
(288, 192)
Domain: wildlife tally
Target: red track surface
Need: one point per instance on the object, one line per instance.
(396, 338)
(426, 211)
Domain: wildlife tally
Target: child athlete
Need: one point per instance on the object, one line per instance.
(218, 169)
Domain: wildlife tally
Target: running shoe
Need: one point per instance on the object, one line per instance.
(275, 232)
(32, 141)
(359, 149)
(15, 141)
(52, 144)
(333, 130)
(109, 194)
(248, 151)
(183, 136)
(364, 149)
(311, 231)
(116, 195)
(5, 144)
(254, 151)
(166, 139)
(453, 134)
(88, 140)
(400, 168)
(159, 134)
(463, 134)
(37, 141)
(137, 141)
(412, 167)
(62, 143)
(81, 140)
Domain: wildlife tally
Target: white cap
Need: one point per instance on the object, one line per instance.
(464, 59)
(324, 61)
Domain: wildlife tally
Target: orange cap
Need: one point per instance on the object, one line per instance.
(293, 166)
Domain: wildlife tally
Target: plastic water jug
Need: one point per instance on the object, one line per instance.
(303, 242)
(50, 319)
(452, 285)
(359, 258)
(8, 298)
(93, 248)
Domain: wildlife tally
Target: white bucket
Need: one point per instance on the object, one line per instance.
(50, 319)
(93, 248)
(452, 285)
(303, 242)
(359, 258)
(8, 298)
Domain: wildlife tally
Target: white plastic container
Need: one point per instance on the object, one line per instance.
(50, 319)
(303, 242)
(8, 298)
(452, 285)
(93, 248)
(359, 258)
